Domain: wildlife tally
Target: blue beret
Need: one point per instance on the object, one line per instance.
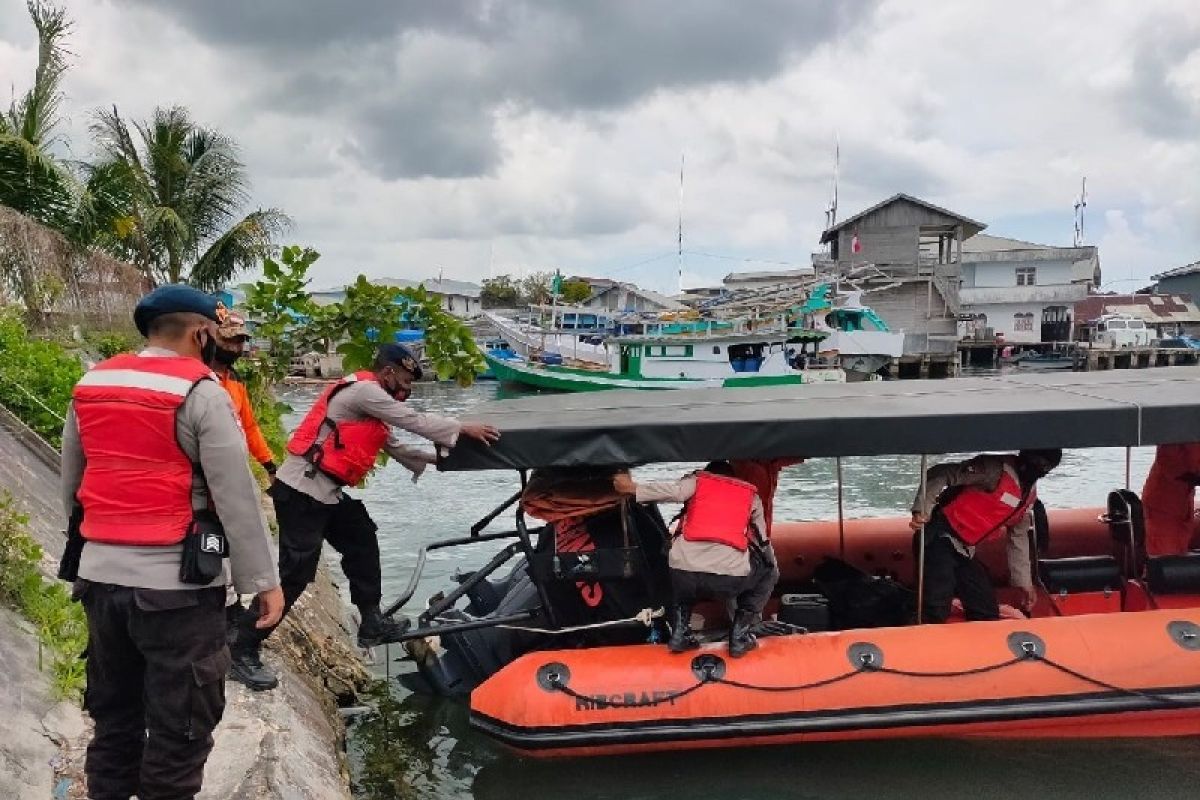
(176, 298)
(400, 356)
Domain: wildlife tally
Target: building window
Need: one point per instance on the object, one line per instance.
(1026, 276)
(1022, 322)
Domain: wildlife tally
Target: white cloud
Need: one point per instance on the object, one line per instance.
(993, 109)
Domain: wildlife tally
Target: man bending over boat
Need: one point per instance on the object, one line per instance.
(719, 550)
(964, 504)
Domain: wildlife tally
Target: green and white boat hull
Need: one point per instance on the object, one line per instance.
(571, 379)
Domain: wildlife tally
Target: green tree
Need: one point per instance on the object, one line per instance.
(282, 309)
(574, 292)
(535, 288)
(173, 193)
(32, 180)
(290, 321)
(499, 292)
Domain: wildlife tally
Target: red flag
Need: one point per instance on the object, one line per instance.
(855, 244)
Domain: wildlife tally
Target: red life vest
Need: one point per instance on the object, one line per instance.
(975, 514)
(137, 483)
(719, 511)
(348, 453)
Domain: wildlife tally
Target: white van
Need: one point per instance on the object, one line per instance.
(1117, 331)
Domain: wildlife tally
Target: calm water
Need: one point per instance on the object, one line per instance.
(422, 747)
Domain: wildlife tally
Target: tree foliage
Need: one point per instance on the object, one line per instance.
(173, 190)
(499, 292)
(369, 314)
(574, 292)
(535, 288)
(32, 180)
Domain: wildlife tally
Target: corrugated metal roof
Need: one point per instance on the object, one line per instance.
(1186, 269)
(827, 236)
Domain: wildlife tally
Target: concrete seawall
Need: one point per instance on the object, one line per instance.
(285, 743)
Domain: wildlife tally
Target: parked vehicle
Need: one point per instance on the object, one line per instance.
(1118, 331)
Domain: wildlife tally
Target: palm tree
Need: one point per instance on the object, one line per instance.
(173, 196)
(32, 181)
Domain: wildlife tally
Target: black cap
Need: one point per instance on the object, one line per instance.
(397, 355)
(177, 298)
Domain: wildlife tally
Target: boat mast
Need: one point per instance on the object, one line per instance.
(679, 239)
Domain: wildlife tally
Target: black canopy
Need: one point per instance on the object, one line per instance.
(1093, 409)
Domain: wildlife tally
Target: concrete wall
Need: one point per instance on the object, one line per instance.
(462, 306)
(284, 743)
(903, 308)
(1001, 317)
(1183, 284)
(1005, 273)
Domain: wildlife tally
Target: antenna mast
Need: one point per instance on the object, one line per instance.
(1080, 205)
(831, 209)
(679, 250)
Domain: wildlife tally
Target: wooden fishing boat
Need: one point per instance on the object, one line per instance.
(1112, 647)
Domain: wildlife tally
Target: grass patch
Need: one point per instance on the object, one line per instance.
(59, 622)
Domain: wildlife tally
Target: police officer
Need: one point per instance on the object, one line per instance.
(720, 550)
(967, 503)
(336, 445)
(150, 447)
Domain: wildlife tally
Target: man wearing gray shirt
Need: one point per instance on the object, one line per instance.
(151, 447)
(336, 445)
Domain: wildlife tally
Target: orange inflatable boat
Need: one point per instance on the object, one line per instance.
(1085, 665)
(1112, 647)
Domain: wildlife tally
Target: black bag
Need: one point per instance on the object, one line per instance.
(859, 600)
(68, 565)
(204, 547)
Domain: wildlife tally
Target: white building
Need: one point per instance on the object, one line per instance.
(1023, 292)
(627, 297)
(460, 298)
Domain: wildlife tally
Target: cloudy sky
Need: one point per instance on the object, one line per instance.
(479, 137)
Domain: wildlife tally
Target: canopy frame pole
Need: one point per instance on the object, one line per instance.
(841, 516)
(1128, 460)
(921, 550)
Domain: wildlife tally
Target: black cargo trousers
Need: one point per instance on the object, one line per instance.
(156, 665)
(305, 524)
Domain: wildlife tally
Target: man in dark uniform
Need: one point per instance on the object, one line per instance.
(154, 457)
(335, 446)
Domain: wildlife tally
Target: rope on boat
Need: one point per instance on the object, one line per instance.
(868, 667)
(645, 617)
(600, 702)
(1156, 696)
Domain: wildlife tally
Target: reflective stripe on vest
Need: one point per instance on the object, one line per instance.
(351, 447)
(719, 511)
(976, 514)
(137, 481)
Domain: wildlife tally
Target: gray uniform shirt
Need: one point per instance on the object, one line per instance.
(208, 431)
(368, 400)
(709, 557)
(982, 472)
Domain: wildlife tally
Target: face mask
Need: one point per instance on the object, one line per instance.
(227, 357)
(208, 350)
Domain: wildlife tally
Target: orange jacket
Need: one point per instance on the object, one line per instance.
(764, 475)
(241, 404)
(1168, 499)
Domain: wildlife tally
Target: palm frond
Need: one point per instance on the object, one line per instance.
(239, 248)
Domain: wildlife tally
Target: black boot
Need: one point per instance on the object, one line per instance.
(741, 640)
(375, 628)
(247, 668)
(682, 638)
